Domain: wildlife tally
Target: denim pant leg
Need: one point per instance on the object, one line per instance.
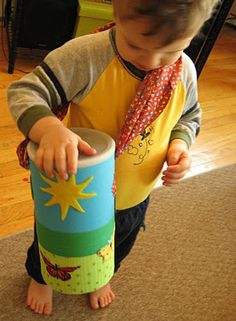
(32, 263)
(128, 224)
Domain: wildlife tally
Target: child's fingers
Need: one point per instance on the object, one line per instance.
(61, 154)
(72, 158)
(60, 163)
(170, 175)
(183, 165)
(38, 161)
(48, 162)
(85, 148)
(174, 169)
(173, 176)
(170, 182)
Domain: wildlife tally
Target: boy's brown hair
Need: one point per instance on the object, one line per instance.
(179, 18)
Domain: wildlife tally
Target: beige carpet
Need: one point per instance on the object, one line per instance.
(182, 268)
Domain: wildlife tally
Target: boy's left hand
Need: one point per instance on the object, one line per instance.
(178, 162)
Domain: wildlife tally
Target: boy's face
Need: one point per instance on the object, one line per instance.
(146, 52)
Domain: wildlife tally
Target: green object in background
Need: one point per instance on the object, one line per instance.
(92, 15)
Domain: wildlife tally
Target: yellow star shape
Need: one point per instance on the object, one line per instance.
(66, 193)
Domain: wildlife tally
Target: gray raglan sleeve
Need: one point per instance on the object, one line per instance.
(188, 126)
(66, 74)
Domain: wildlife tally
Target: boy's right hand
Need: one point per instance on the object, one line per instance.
(58, 147)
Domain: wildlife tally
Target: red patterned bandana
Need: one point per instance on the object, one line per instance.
(151, 99)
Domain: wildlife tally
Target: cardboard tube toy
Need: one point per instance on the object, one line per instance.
(75, 219)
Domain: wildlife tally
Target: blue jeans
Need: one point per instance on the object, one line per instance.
(128, 224)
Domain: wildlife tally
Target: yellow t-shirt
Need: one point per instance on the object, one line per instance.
(105, 108)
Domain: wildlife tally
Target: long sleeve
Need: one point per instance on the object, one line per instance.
(66, 75)
(188, 126)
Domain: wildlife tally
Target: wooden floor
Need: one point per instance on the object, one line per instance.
(215, 146)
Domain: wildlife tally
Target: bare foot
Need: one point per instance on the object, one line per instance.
(39, 298)
(102, 297)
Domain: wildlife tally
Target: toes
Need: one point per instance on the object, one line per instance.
(112, 296)
(102, 297)
(28, 301)
(39, 308)
(47, 309)
(109, 300)
(42, 308)
(33, 304)
(94, 303)
(102, 302)
(105, 301)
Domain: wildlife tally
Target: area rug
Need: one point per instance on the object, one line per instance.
(181, 269)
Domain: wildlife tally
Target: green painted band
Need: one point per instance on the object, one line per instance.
(75, 244)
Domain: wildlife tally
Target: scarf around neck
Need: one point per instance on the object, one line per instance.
(153, 95)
